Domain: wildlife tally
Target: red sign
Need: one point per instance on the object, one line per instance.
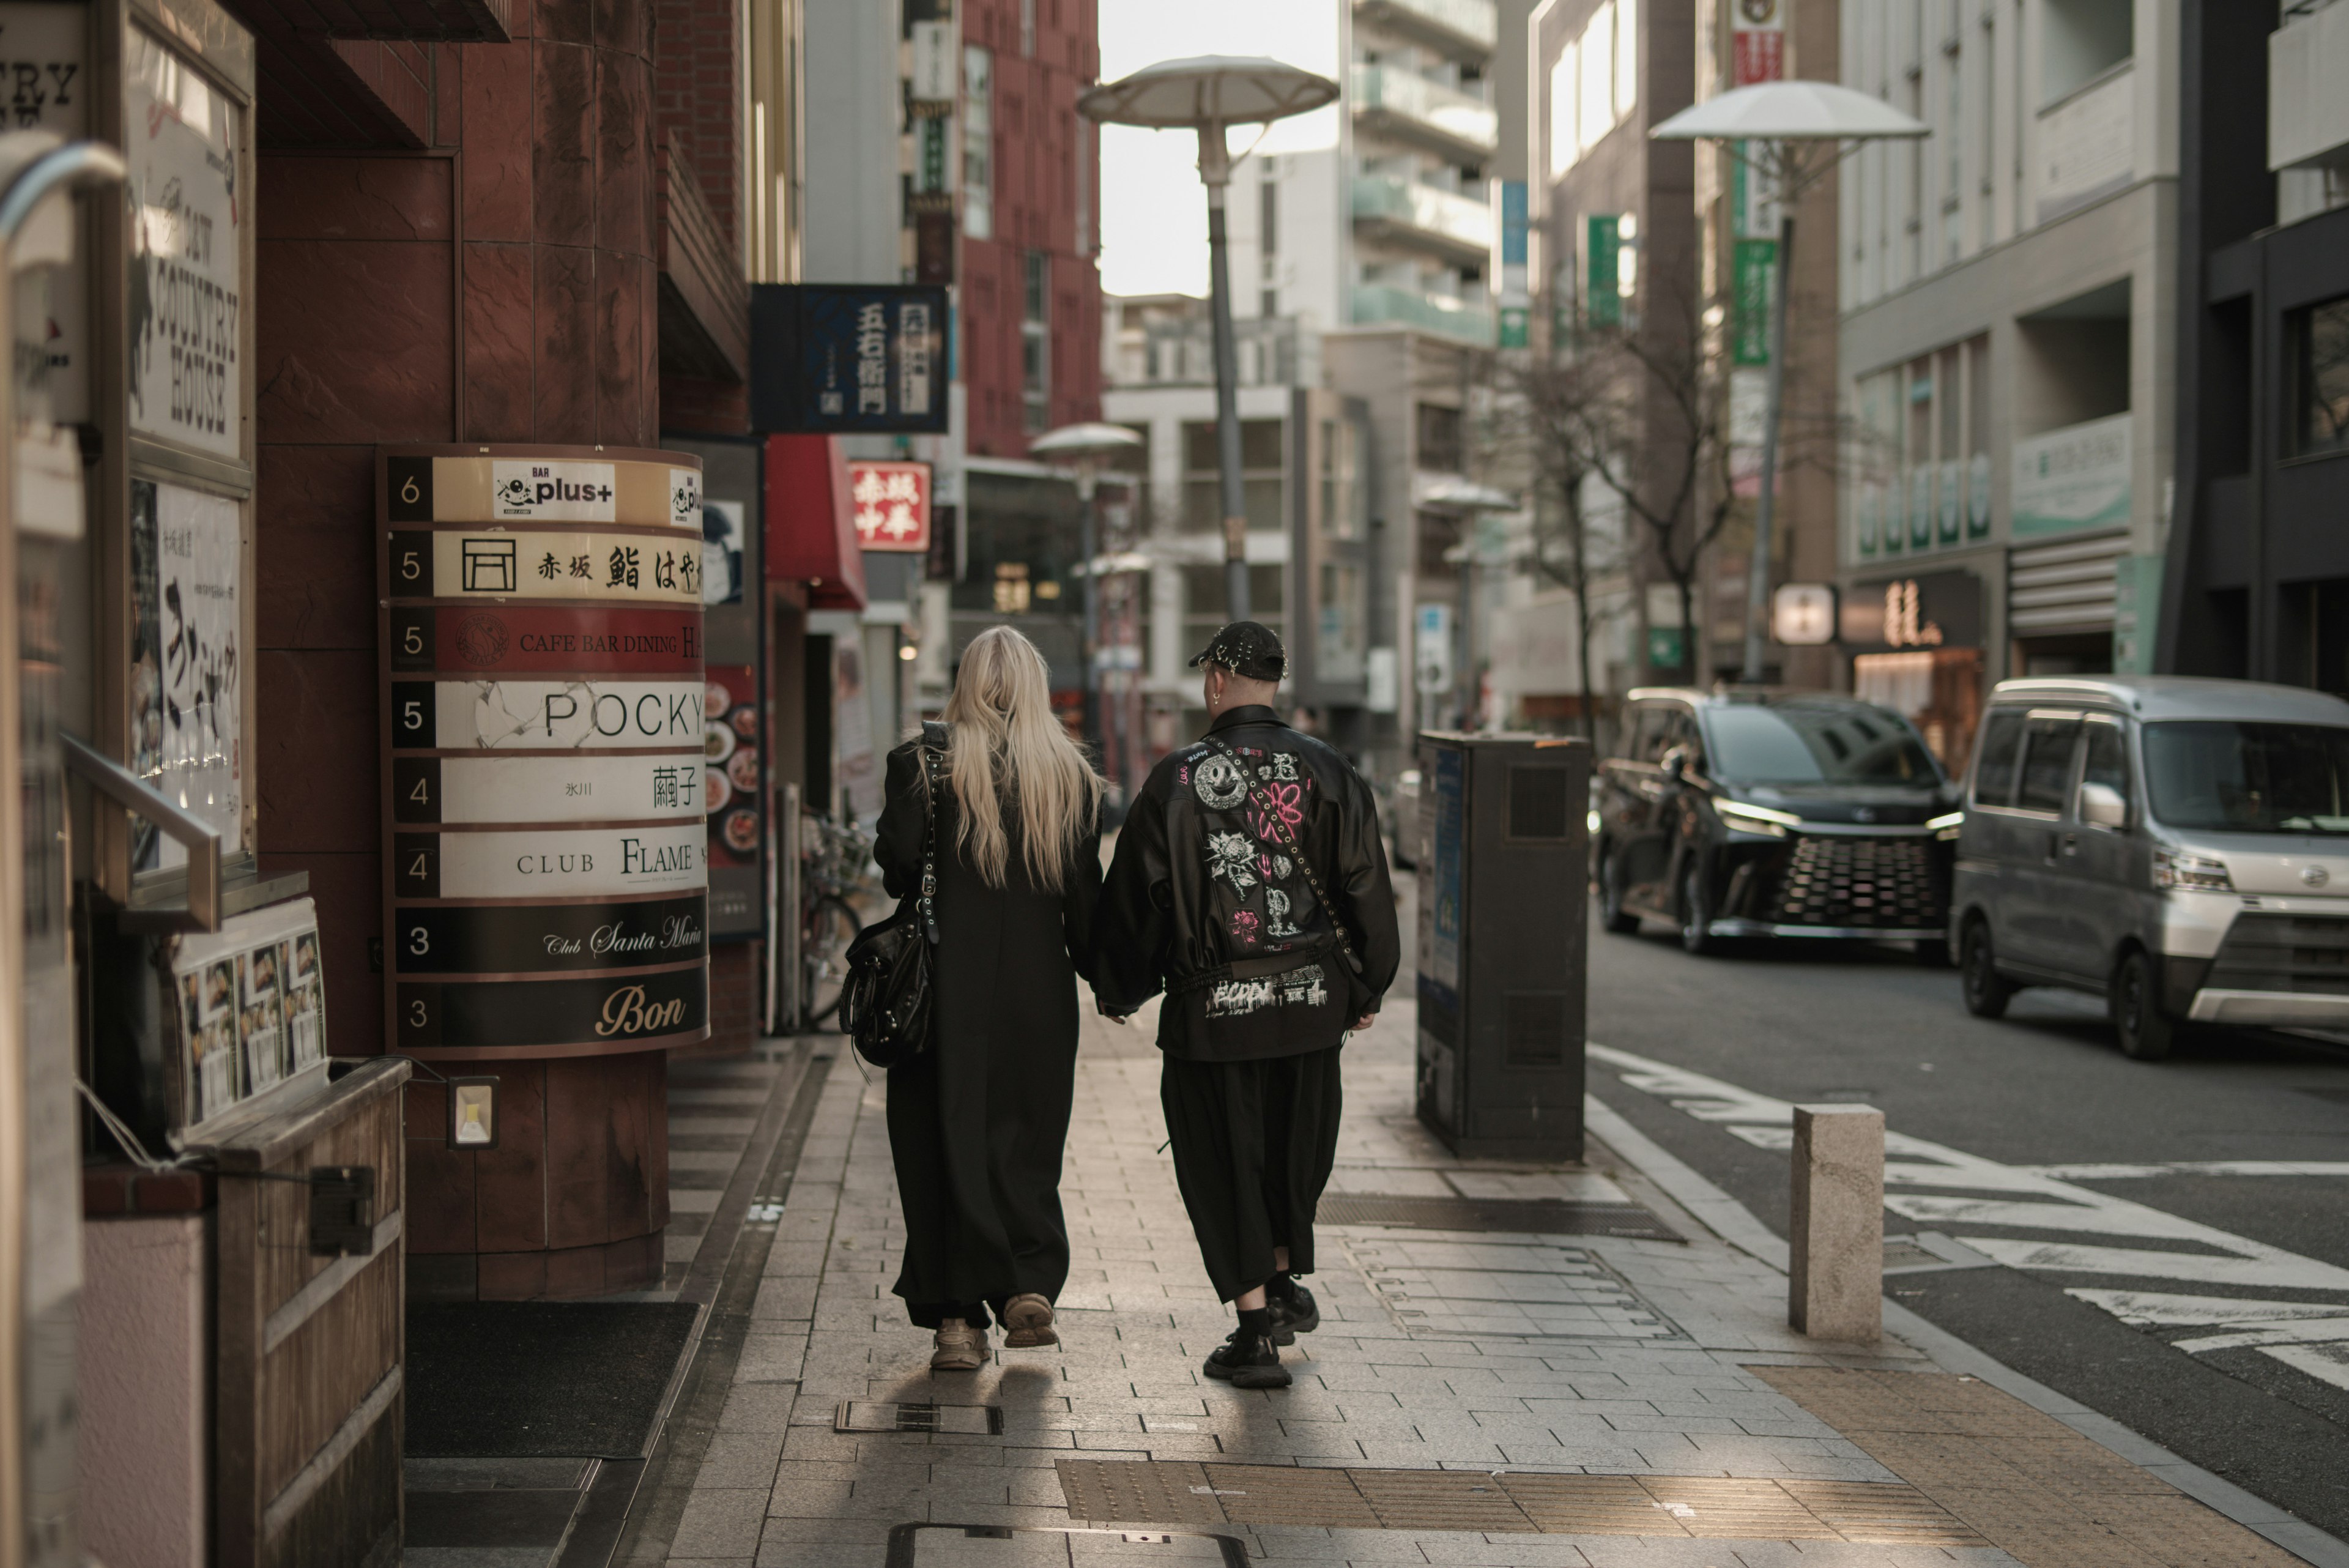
(1758, 42)
(893, 504)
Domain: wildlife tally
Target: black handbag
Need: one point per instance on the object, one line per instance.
(885, 1006)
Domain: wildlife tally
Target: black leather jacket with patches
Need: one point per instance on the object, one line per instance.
(1205, 899)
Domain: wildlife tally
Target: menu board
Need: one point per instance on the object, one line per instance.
(249, 1005)
(732, 782)
(546, 809)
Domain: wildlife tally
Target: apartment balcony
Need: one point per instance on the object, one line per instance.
(2308, 114)
(1404, 107)
(1383, 304)
(1406, 212)
(1463, 29)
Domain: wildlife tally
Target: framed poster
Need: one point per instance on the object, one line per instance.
(187, 659)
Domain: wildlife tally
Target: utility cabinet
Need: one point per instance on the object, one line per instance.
(1502, 851)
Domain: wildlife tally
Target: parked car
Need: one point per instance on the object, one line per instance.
(2178, 846)
(1773, 814)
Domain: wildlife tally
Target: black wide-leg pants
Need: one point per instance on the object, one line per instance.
(1254, 1143)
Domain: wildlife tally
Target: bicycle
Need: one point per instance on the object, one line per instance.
(833, 864)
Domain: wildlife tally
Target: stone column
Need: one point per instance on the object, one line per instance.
(1834, 1234)
(489, 278)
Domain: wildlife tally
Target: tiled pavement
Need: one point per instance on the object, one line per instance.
(1437, 1351)
(520, 1513)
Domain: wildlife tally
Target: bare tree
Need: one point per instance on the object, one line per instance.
(1652, 431)
(1543, 411)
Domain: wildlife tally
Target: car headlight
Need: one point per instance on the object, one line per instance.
(1947, 826)
(1592, 822)
(2177, 869)
(1755, 818)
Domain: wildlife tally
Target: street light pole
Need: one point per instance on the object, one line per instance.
(1216, 173)
(1757, 575)
(1807, 127)
(1207, 95)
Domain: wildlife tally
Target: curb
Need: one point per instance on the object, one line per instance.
(1736, 1224)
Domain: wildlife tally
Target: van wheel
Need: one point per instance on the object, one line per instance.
(1613, 915)
(1987, 990)
(1696, 912)
(2146, 1032)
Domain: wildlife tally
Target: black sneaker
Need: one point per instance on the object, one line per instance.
(1296, 1315)
(1247, 1361)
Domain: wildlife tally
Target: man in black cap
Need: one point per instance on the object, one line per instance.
(1250, 883)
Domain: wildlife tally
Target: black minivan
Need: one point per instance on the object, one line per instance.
(1756, 813)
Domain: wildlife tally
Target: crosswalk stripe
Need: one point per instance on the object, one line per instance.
(2041, 1198)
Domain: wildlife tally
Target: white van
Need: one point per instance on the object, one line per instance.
(2178, 846)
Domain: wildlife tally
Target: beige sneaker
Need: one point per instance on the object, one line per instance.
(961, 1348)
(1028, 1322)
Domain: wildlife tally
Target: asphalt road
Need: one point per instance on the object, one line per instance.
(2102, 1273)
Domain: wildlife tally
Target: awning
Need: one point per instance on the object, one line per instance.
(811, 522)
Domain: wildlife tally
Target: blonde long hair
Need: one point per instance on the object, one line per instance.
(1006, 740)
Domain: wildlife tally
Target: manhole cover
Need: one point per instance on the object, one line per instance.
(1011, 1546)
(1521, 1216)
(877, 1416)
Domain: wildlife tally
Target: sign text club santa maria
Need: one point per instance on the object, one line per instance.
(546, 872)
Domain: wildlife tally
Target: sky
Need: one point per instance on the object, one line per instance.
(1154, 210)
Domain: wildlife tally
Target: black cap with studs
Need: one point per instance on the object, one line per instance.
(1248, 648)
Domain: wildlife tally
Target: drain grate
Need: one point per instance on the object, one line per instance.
(1019, 1546)
(879, 1415)
(1443, 1286)
(1521, 1216)
(1705, 1506)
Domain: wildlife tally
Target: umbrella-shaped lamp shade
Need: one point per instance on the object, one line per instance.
(1088, 439)
(1789, 111)
(1212, 90)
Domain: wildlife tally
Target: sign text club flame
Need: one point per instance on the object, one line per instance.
(546, 872)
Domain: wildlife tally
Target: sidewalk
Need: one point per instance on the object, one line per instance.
(1474, 1396)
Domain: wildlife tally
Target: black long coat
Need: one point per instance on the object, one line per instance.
(978, 1124)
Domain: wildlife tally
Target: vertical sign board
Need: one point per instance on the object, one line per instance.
(546, 860)
(849, 359)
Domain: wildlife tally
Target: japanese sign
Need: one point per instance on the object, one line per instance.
(842, 358)
(735, 789)
(186, 285)
(893, 505)
(547, 859)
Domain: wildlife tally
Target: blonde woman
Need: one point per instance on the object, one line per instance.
(977, 1123)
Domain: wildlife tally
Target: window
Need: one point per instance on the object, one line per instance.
(1036, 339)
(1440, 445)
(2083, 39)
(2046, 777)
(2002, 743)
(2317, 348)
(2250, 777)
(2106, 761)
(1821, 742)
(1267, 215)
(979, 144)
(1564, 127)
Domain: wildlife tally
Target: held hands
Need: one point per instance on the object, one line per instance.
(1119, 1019)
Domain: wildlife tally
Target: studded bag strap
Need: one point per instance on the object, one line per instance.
(1288, 841)
(932, 745)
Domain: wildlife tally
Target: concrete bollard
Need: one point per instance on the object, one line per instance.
(1834, 1234)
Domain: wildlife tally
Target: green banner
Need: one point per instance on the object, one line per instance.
(1753, 270)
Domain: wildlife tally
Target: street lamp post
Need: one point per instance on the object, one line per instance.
(1797, 132)
(1207, 95)
(1087, 447)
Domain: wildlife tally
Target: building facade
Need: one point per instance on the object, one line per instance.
(2009, 289)
(2257, 571)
